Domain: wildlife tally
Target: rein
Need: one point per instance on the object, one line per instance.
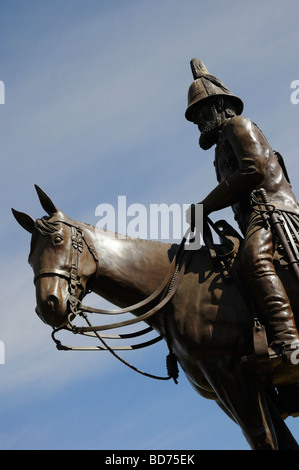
(167, 288)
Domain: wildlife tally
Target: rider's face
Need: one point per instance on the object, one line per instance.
(203, 114)
(206, 117)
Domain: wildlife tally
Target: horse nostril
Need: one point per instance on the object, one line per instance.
(53, 302)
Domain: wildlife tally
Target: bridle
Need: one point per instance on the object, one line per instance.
(74, 281)
(161, 296)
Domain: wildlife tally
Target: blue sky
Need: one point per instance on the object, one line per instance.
(95, 96)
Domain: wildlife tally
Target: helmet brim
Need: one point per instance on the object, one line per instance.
(238, 104)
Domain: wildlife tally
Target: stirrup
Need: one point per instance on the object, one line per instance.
(260, 359)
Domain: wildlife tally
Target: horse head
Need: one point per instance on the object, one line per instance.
(61, 265)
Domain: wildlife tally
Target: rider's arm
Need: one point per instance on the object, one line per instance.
(251, 149)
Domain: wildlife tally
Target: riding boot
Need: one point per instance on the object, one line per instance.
(275, 308)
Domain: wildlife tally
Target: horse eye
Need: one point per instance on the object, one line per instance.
(57, 239)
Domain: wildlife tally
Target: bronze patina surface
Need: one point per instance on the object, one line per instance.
(209, 305)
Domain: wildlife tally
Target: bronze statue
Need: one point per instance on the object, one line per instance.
(185, 296)
(252, 178)
(196, 300)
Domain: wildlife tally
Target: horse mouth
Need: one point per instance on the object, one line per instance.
(53, 319)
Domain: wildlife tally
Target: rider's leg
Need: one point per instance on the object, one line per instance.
(266, 287)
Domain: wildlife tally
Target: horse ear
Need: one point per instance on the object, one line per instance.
(27, 222)
(45, 201)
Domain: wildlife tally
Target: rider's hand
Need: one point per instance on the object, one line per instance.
(190, 216)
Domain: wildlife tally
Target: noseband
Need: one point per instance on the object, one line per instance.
(74, 281)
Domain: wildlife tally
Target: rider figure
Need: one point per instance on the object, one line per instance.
(245, 162)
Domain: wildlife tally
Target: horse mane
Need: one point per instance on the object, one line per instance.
(44, 227)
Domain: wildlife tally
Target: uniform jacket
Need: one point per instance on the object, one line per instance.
(245, 161)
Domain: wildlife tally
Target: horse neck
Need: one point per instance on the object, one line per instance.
(129, 269)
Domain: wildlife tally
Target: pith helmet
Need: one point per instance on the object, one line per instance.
(206, 86)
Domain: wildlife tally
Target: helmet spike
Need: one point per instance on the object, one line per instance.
(198, 68)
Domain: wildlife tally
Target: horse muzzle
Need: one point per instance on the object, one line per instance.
(53, 319)
(52, 303)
